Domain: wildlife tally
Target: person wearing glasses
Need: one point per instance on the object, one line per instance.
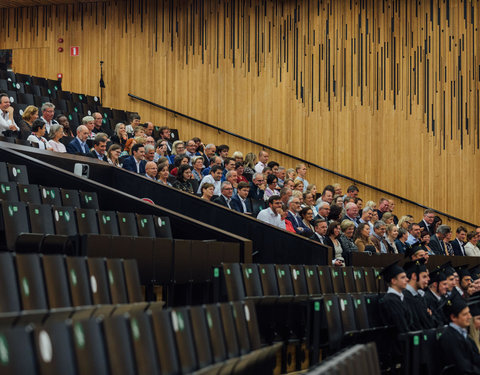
(257, 187)
(427, 222)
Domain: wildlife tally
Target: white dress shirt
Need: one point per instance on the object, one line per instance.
(5, 121)
(268, 216)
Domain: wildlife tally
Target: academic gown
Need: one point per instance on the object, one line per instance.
(435, 306)
(458, 351)
(395, 312)
(420, 316)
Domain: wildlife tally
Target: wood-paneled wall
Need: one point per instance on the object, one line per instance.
(386, 92)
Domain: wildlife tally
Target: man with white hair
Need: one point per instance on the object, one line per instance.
(89, 122)
(323, 211)
(149, 152)
(48, 112)
(79, 144)
(151, 170)
(209, 154)
(351, 213)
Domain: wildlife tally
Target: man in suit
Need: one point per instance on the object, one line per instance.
(257, 186)
(240, 201)
(320, 226)
(383, 206)
(436, 241)
(351, 213)
(136, 162)
(151, 170)
(458, 243)
(293, 216)
(165, 135)
(99, 148)
(226, 196)
(427, 222)
(79, 144)
(99, 127)
(208, 154)
(456, 347)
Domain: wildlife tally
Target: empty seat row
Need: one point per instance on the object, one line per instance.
(41, 282)
(209, 339)
(269, 282)
(30, 80)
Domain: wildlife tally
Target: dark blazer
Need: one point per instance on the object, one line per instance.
(221, 200)
(236, 204)
(296, 222)
(460, 352)
(436, 245)
(129, 164)
(457, 249)
(329, 242)
(206, 161)
(314, 237)
(74, 147)
(424, 226)
(92, 154)
(256, 192)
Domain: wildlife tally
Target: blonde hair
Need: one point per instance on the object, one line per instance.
(371, 204)
(29, 112)
(346, 224)
(290, 170)
(174, 146)
(403, 219)
(237, 154)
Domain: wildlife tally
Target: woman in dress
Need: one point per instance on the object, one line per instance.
(331, 239)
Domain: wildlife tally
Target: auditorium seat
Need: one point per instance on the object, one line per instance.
(70, 197)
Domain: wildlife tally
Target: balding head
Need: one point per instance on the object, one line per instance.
(82, 133)
(151, 169)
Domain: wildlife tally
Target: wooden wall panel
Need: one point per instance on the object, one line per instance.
(384, 91)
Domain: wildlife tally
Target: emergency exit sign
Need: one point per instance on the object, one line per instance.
(74, 51)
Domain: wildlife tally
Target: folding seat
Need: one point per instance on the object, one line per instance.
(182, 329)
(201, 336)
(70, 197)
(17, 173)
(145, 225)
(93, 100)
(232, 274)
(118, 114)
(284, 280)
(132, 281)
(35, 90)
(165, 341)
(163, 229)
(229, 330)
(97, 270)
(174, 135)
(14, 222)
(239, 319)
(64, 218)
(370, 280)
(73, 108)
(8, 75)
(269, 282)
(17, 354)
(361, 312)
(313, 283)
(359, 277)
(3, 172)
(162, 261)
(41, 223)
(25, 99)
(39, 81)
(108, 224)
(347, 313)
(325, 278)
(56, 281)
(60, 104)
(29, 193)
(50, 195)
(214, 326)
(30, 281)
(54, 85)
(116, 278)
(9, 191)
(183, 261)
(45, 91)
(65, 95)
(380, 282)
(10, 297)
(127, 224)
(253, 284)
(89, 347)
(143, 343)
(88, 200)
(78, 281)
(74, 120)
(349, 279)
(3, 85)
(332, 321)
(12, 95)
(11, 86)
(23, 78)
(337, 279)
(299, 281)
(39, 100)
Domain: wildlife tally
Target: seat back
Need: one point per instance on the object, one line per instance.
(30, 281)
(50, 195)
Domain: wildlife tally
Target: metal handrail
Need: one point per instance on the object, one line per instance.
(266, 147)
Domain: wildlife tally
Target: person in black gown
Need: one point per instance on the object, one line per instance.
(457, 350)
(417, 274)
(435, 295)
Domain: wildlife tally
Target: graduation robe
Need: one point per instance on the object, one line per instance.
(421, 319)
(435, 306)
(395, 312)
(460, 352)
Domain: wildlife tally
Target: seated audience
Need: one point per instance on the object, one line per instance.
(414, 232)
(301, 170)
(271, 214)
(8, 127)
(197, 164)
(378, 237)
(309, 201)
(401, 240)
(213, 178)
(332, 235)
(134, 120)
(427, 222)
(160, 150)
(179, 160)
(113, 154)
(458, 244)
(208, 154)
(335, 214)
(257, 187)
(30, 114)
(404, 222)
(222, 151)
(56, 133)
(291, 174)
(361, 237)
(239, 168)
(136, 162)
(67, 130)
(271, 187)
(471, 248)
(347, 228)
(225, 197)
(178, 148)
(249, 165)
(390, 237)
(48, 111)
(99, 148)
(306, 214)
(238, 157)
(120, 135)
(38, 131)
(151, 170)
(183, 180)
(262, 161)
(79, 144)
(240, 201)
(163, 174)
(425, 241)
(437, 243)
(149, 151)
(320, 230)
(207, 191)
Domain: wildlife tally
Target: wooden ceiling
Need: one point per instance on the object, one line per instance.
(30, 3)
